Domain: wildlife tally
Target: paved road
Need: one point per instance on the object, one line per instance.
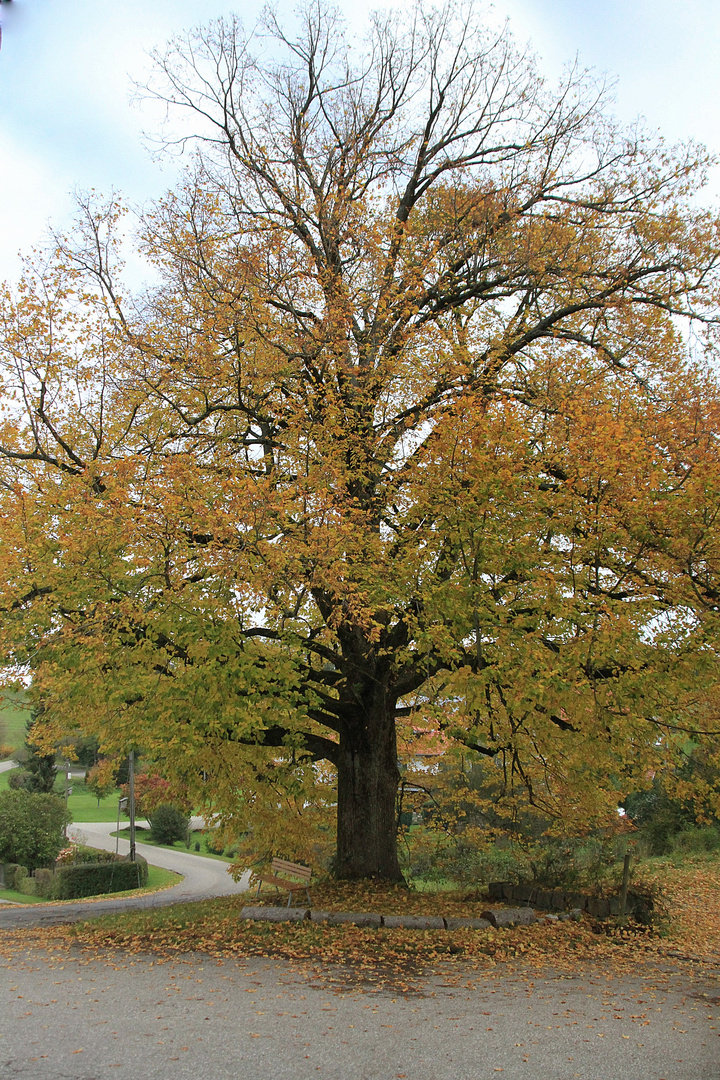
(6, 766)
(202, 878)
(83, 1017)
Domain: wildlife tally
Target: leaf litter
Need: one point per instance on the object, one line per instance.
(398, 960)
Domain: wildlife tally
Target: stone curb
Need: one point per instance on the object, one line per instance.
(414, 922)
(499, 917)
(275, 914)
(493, 917)
(355, 918)
(466, 924)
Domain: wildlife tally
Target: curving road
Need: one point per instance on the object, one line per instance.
(202, 879)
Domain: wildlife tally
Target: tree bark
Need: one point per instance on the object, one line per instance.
(368, 779)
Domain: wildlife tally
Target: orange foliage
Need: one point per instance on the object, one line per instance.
(408, 430)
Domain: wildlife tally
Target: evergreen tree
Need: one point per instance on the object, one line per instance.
(38, 772)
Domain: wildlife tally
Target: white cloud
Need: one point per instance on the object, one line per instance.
(66, 119)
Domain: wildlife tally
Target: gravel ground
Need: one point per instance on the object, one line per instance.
(78, 1016)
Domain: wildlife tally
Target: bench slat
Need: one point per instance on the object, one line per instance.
(291, 886)
(282, 866)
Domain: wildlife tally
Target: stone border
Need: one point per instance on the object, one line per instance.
(600, 907)
(490, 918)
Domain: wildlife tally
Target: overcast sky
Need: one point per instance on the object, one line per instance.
(66, 120)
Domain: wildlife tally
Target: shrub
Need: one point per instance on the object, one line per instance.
(168, 824)
(697, 841)
(14, 873)
(43, 881)
(31, 827)
(77, 853)
(19, 780)
(68, 854)
(469, 857)
(462, 858)
(75, 880)
(27, 886)
(214, 842)
(6, 751)
(85, 751)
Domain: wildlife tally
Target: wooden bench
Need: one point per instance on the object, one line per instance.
(289, 870)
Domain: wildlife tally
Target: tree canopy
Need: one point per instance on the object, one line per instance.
(417, 428)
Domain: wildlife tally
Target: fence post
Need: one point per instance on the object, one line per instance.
(625, 883)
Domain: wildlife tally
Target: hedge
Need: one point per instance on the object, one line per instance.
(14, 873)
(92, 879)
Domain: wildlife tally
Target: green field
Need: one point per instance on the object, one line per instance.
(20, 898)
(142, 836)
(13, 717)
(82, 803)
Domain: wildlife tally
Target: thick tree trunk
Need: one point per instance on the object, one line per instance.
(367, 789)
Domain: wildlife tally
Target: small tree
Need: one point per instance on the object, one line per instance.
(152, 791)
(31, 827)
(38, 772)
(101, 779)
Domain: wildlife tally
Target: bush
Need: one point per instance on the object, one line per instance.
(19, 780)
(462, 858)
(43, 881)
(214, 843)
(85, 751)
(27, 886)
(75, 880)
(14, 873)
(31, 827)
(168, 824)
(697, 841)
(470, 858)
(78, 853)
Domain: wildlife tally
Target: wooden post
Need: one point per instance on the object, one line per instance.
(131, 779)
(67, 773)
(625, 883)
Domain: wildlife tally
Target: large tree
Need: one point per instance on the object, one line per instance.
(409, 426)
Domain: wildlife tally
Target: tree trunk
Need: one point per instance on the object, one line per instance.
(367, 789)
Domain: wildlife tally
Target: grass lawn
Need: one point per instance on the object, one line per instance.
(20, 898)
(13, 717)
(157, 879)
(142, 836)
(82, 803)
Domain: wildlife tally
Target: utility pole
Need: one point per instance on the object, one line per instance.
(67, 790)
(131, 779)
(122, 803)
